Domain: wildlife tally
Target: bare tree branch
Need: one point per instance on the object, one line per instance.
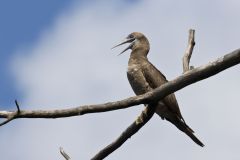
(190, 76)
(141, 120)
(178, 83)
(188, 53)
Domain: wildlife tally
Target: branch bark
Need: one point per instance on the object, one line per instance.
(178, 83)
(188, 53)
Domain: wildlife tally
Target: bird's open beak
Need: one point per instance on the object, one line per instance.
(127, 40)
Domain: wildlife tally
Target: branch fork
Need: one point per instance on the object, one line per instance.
(12, 115)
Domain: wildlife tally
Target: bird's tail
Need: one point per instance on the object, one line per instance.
(187, 130)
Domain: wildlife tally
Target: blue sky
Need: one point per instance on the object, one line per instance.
(21, 24)
(56, 54)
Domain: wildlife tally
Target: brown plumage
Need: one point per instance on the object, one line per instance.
(143, 77)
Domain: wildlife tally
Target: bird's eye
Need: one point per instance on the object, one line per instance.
(130, 36)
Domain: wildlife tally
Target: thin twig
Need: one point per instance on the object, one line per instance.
(188, 53)
(145, 116)
(18, 108)
(64, 154)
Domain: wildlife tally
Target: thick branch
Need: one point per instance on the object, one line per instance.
(145, 116)
(188, 53)
(178, 83)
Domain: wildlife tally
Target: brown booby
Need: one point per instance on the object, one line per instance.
(143, 77)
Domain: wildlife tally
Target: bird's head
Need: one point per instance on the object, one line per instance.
(138, 42)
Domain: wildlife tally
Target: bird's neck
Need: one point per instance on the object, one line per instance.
(138, 57)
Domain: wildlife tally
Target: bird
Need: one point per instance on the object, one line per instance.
(143, 77)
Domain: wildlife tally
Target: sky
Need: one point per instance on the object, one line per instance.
(57, 54)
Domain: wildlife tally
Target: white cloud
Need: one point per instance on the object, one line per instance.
(72, 64)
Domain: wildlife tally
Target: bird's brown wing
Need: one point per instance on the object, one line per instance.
(155, 79)
(138, 81)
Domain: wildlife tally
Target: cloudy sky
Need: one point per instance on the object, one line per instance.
(56, 54)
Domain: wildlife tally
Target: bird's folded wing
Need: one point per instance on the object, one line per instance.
(138, 81)
(155, 79)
